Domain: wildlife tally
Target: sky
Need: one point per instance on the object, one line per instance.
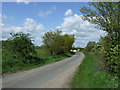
(37, 18)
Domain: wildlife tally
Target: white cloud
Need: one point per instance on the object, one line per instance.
(4, 17)
(29, 26)
(68, 12)
(24, 1)
(83, 30)
(46, 13)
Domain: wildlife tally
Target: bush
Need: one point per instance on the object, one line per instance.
(9, 62)
(108, 53)
(18, 51)
(69, 54)
(20, 45)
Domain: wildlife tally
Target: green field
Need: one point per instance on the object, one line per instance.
(87, 77)
(42, 53)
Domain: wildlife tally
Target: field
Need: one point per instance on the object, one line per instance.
(89, 77)
(42, 53)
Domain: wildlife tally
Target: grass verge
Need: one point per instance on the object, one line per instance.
(87, 77)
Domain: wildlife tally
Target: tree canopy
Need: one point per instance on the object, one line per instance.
(105, 14)
(58, 43)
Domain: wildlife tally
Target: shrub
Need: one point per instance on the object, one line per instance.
(20, 45)
(108, 53)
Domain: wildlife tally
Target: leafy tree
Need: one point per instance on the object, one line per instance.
(49, 39)
(68, 42)
(106, 15)
(20, 45)
(57, 43)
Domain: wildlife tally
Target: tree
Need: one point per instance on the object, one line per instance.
(68, 42)
(106, 15)
(50, 38)
(58, 43)
(20, 45)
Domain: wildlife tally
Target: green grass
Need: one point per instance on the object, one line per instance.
(42, 53)
(45, 54)
(87, 77)
(12, 65)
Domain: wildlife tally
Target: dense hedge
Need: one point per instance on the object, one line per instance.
(108, 50)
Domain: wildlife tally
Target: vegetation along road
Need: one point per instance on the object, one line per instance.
(55, 75)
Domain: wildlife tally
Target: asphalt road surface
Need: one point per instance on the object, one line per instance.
(55, 75)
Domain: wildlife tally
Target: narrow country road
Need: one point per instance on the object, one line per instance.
(55, 75)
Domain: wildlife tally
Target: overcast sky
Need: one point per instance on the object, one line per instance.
(37, 18)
